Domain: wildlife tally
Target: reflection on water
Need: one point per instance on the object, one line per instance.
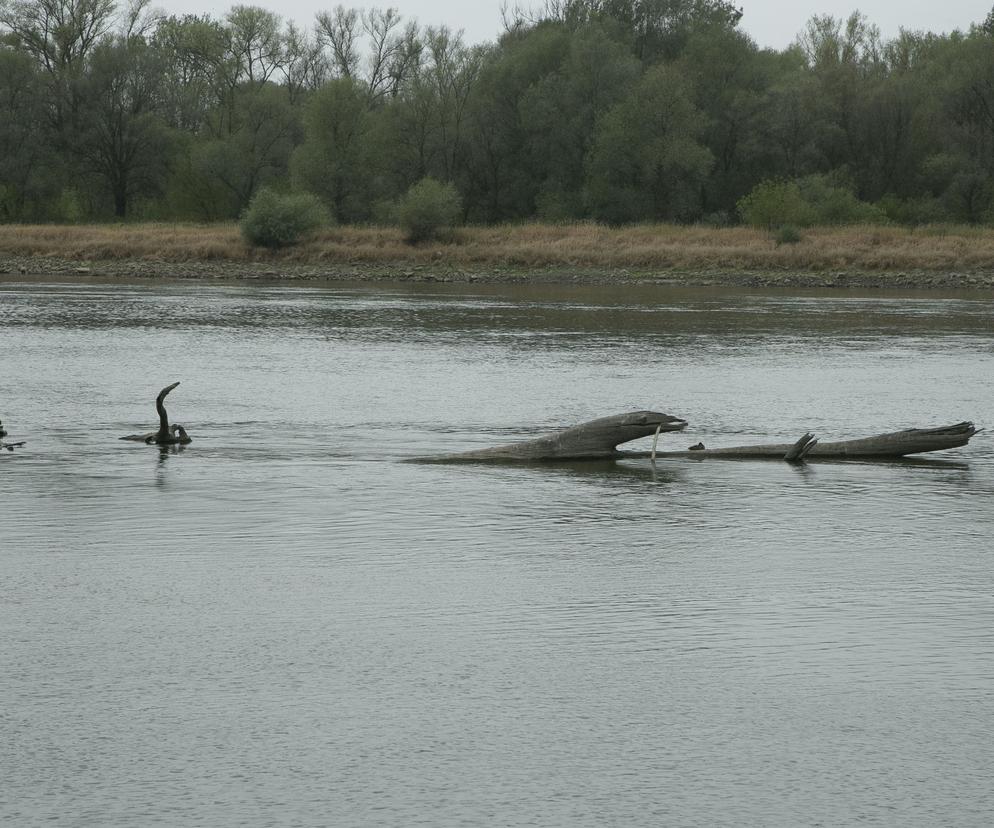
(281, 624)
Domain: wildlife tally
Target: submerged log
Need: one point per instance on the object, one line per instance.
(8, 446)
(593, 440)
(893, 444)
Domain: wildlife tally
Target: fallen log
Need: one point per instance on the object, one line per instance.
(892, 444)
(593, 440)
(599, 440)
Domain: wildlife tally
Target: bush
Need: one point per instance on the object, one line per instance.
(913, 211)
(815, 199)
(273, 220)
(429, 210)
(835, 204)
(557, 206)
(68, 207)
(788, 234)
(774, 203)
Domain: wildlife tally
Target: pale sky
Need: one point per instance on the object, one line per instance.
(769, 22)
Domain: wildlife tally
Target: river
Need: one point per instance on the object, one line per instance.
(283, 624)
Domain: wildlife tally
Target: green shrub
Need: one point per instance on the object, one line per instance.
(833, 203)
(814, 199)
(429, 210)
(913, 211)
(68, 207)
(788, 234)
(273, 220)
(557, 206)
(774, 203)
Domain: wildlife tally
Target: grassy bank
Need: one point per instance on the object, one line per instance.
(643, 250)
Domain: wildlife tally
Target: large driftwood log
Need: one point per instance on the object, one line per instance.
(593, 440)
(893, 444)
(599, 439)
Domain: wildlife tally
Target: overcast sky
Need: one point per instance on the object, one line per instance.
(770, 22)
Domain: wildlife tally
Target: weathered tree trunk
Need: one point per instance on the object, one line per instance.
(893, 444)
(597, 439)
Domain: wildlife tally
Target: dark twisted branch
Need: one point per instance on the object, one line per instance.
(166, 435)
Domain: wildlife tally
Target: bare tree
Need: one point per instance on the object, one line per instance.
(256, 42)
(340, 31)
(305, 66)
(140, 19)
(384, 45)
(59, 34)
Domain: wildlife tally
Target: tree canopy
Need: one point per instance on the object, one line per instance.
(612, 110)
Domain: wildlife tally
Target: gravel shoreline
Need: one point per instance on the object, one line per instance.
(139, 269)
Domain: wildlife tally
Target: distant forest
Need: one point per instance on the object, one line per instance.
(613, 110)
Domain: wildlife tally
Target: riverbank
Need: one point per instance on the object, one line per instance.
(883, 257)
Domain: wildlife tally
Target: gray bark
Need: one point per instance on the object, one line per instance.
(892, 444)
(593, 440)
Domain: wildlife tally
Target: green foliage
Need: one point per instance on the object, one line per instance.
(970, 196)
(274, 221)
(556, 206)
(788, 234)
(805, 202)
(332, 160)
(775, 203)
(69, 207)
(500, 165)
(913, 211)
(559, 114)
(646, 162)
(835, 204)
(29, 174)
(617, 110)
(429, 210)
(654, 29)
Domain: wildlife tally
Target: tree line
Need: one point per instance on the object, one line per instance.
(613, 110)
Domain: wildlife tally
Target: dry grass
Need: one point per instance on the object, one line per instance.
(646, 247)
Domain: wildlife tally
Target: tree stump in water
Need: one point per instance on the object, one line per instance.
(166, 435)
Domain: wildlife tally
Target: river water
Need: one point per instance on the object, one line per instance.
(282, 624)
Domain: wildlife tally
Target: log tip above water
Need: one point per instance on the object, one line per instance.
(593, 440)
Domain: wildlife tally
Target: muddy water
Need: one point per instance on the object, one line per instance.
(283, 625)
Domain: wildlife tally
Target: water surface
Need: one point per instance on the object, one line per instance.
(284, 625)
